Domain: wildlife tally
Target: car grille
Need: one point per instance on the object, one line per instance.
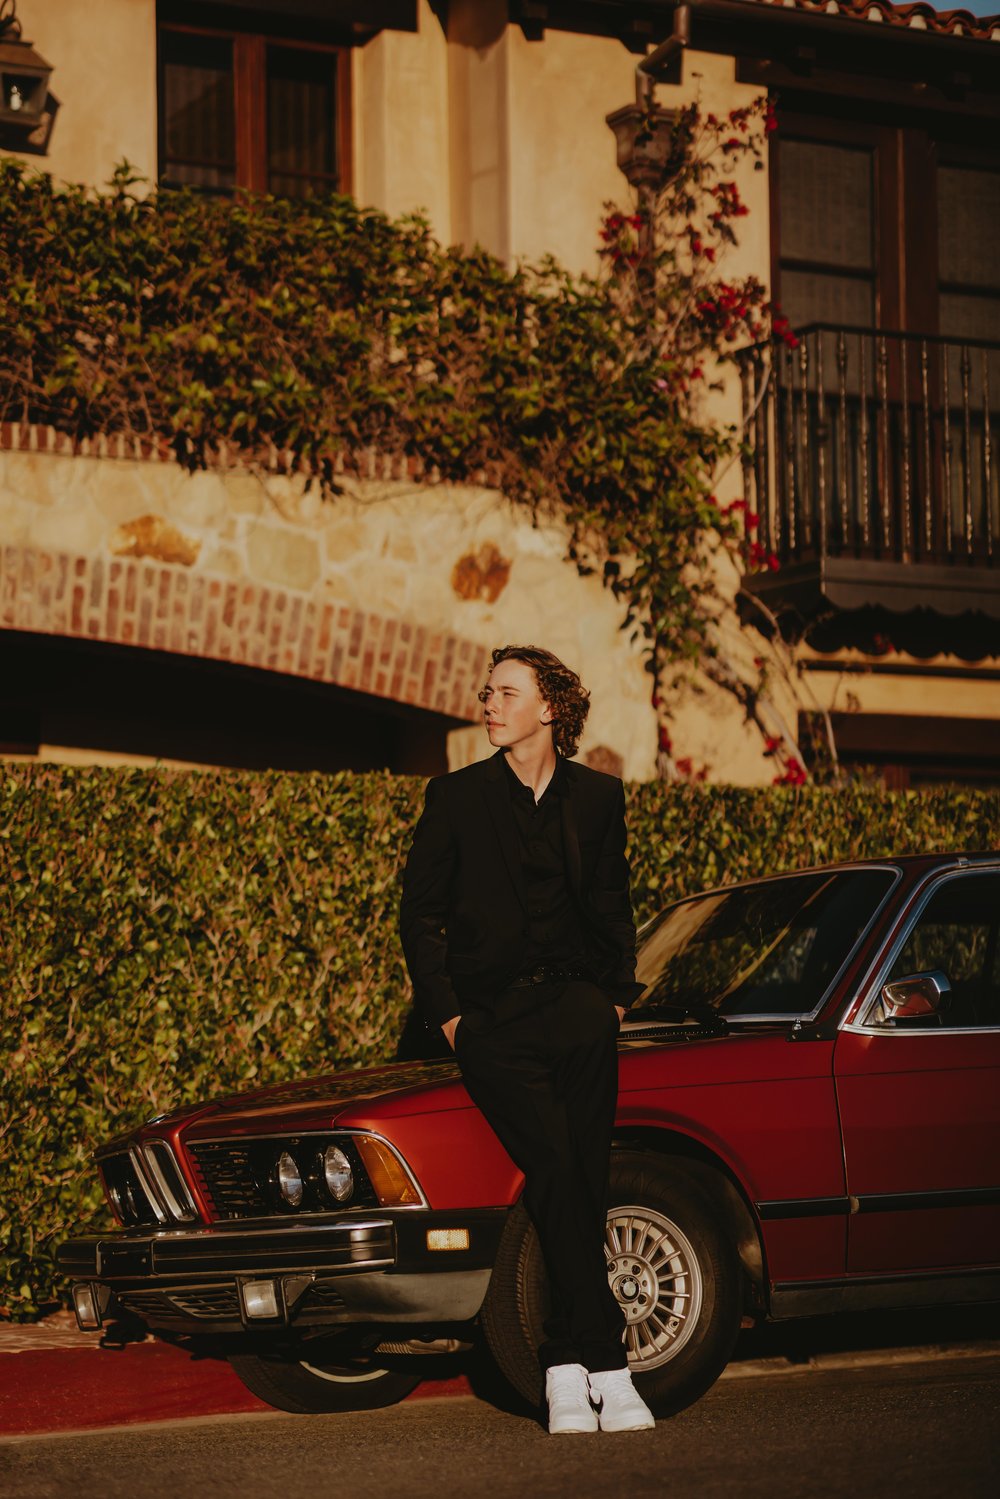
(149, 1304)
(237, 1176)
(217, 1303)
(220, 1301)
(228, 1176)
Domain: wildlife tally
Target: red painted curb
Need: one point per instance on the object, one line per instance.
(85, 1389)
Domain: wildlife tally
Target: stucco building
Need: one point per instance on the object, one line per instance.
(224, 618)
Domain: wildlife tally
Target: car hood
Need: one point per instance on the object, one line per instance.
(397, 1089)
(316, 1102)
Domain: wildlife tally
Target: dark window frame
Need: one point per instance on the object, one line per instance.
(907, 150)
(250, 50)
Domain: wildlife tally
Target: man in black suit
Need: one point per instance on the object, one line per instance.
(518, 934)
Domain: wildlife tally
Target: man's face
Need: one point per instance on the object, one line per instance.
(514, 711)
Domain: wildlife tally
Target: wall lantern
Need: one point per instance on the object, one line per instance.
(644, 136)
(25, 109)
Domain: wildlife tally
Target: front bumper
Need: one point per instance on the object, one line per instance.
(366, 1268)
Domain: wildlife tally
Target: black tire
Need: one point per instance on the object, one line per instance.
(672, 1363)
(315, 1383)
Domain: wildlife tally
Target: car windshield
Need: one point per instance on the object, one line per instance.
(772, 948)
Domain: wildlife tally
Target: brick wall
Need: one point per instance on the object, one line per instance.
(165, 608)
(397, 589)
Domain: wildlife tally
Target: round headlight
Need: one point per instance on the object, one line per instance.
(289, 1179)
(337, 1173)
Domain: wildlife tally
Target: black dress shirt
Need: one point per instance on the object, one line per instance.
(556, 933)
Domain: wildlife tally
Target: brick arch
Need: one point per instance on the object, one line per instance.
(166, 607)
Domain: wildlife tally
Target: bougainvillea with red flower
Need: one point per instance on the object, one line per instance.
(666, 266)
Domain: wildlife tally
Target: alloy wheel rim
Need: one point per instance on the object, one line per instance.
(656, 1279)
(342, 1376)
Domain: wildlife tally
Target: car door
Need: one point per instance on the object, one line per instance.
(919, 1098)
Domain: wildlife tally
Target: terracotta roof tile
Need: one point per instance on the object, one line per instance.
(919, 17)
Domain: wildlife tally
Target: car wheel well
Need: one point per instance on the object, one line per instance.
(714, 1177)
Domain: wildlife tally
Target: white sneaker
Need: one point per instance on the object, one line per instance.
(568, 1396)
(619, 1406)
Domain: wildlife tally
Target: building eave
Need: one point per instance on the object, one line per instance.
(898, 43)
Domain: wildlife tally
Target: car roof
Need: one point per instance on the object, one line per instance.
(912, 864)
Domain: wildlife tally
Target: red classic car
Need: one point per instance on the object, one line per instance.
(809, 1120)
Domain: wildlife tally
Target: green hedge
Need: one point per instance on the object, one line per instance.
(169, 936)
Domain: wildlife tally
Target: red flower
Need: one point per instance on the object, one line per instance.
(793, 775)
(758, 556)
(663, 740)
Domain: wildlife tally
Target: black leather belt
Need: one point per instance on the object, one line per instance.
(549, 973)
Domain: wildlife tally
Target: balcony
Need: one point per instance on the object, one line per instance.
(871, 461)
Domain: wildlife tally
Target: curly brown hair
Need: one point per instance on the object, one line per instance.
(559, 686)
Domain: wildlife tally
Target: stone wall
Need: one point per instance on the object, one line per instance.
(398, 588)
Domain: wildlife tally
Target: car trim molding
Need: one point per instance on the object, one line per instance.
(904, 1202)
(876, 1202)
(811, 1298)
(804, 1207)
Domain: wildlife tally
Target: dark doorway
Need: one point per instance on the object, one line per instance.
(117, 700)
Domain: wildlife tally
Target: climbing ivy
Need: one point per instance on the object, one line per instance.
(238, 328)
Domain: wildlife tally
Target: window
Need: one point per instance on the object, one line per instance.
(883, 219)
(772, 948)
(968, 202)
(197, 111)
(827, 211)
(243, 109)
(957, 934)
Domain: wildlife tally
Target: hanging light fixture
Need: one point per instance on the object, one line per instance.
(25, 114)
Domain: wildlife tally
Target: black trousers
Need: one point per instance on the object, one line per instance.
(543, 1068)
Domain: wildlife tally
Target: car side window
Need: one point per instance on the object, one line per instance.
(957, 934)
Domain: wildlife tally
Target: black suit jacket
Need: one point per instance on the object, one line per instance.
(463, 910)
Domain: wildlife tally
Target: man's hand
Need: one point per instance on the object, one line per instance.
(449, 1028)
(621, 1013)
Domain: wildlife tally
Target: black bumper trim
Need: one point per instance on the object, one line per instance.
(393, 1242)
(342, 1246)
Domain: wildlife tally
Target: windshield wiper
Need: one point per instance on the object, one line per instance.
(676, 1012)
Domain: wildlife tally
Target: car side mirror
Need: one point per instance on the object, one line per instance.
(916, 997)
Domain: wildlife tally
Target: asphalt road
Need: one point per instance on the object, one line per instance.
(921, 1430)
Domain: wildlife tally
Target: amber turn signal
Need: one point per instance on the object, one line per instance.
(392, 1184)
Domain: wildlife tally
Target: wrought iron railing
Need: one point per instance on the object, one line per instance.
(867, 444)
